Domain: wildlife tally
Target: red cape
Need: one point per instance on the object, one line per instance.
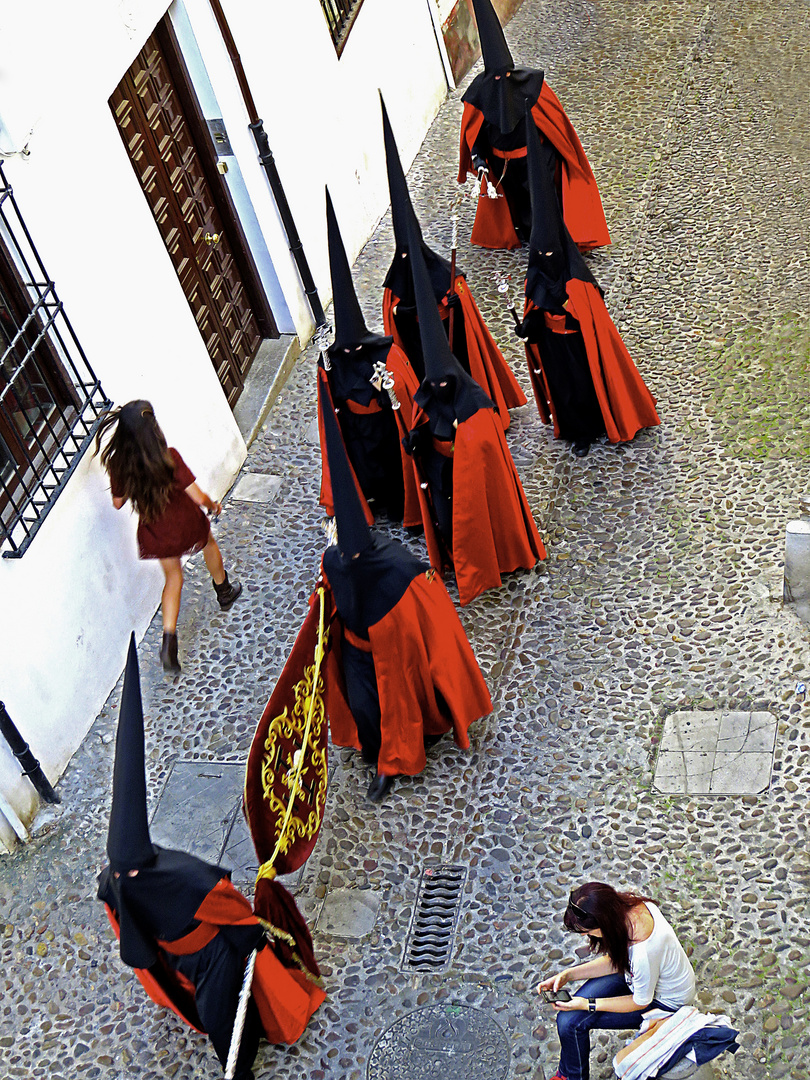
(493, 529)
(626, 404)
(488, 365)
(406, 384)
(285, 997)
(427, 677)
(581, 204)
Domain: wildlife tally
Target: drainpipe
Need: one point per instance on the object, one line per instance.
(29, 764)
(269, 165)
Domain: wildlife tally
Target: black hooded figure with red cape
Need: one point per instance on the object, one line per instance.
(472, 343)
(493, 144)
(583, 377)
(353, 373)
(474, 509)
(399, 672)
(186, 930)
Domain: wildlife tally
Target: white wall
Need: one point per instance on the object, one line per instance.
(322, 114)
(69, 604)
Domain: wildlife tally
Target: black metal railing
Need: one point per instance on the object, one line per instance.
(340, 16)
(50, 399)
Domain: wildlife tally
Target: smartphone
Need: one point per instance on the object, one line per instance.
(551, 996)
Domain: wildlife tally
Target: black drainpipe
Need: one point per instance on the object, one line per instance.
(269, 165)
(22, 752)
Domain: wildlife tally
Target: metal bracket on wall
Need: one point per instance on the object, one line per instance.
(219, 137)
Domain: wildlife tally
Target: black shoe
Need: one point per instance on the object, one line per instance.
(227, 592)
(431, 740)
(379, 786)
(168, 654)
(581, 448)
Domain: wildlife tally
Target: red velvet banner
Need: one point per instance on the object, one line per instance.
(285, 781)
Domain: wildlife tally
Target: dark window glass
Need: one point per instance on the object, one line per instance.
(50, 400)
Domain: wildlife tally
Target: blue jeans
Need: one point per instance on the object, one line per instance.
(574, 1027)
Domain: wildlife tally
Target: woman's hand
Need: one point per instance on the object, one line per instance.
(553, 982)
(576, 1003)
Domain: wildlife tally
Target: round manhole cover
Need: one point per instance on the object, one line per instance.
(443, 1042)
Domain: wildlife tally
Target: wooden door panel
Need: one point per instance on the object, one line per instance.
(160, 143)
(231, 301)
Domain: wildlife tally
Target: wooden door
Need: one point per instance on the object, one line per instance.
(154, 109)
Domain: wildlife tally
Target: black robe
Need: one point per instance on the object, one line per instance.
(368, 425)
(187, 932)
(159, 905)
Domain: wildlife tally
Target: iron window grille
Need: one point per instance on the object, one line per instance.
(50, 400)
(340, 16)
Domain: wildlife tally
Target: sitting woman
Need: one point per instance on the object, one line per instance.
(640, 965)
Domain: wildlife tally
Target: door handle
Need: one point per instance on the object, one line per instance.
(211, 238)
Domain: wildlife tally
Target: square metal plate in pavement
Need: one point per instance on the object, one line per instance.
(198, 807)
(257, 487)
(200, 811)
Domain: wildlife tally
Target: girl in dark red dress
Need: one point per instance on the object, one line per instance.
(152, 476)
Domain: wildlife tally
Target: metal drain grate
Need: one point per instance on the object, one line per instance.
(433, 926)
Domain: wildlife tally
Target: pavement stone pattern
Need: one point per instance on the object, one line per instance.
(661, 593)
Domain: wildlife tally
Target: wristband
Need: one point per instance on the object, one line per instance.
(591, 1004)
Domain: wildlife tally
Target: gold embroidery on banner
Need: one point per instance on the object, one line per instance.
(304, 780)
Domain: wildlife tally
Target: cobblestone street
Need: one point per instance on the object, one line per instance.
(661, 594)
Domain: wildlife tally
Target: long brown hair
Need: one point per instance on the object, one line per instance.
(596, 906)
(137, 458)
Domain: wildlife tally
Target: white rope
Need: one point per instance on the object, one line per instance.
(239, 1020)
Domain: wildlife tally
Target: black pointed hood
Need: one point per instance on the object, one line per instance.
(368, 587)
(158, 903)
(129, 846)
(153, 891)
(350, 326)
(554, 258)
(500, 96)
(460, 397)
(495, 51)
(401, 206)
(367, 573)
(354, 535)
(356, 349)
(399, 279)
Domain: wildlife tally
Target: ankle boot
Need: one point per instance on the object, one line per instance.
(168, 654)
(227, 592)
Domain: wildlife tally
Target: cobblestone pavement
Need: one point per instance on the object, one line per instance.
(661, 592)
